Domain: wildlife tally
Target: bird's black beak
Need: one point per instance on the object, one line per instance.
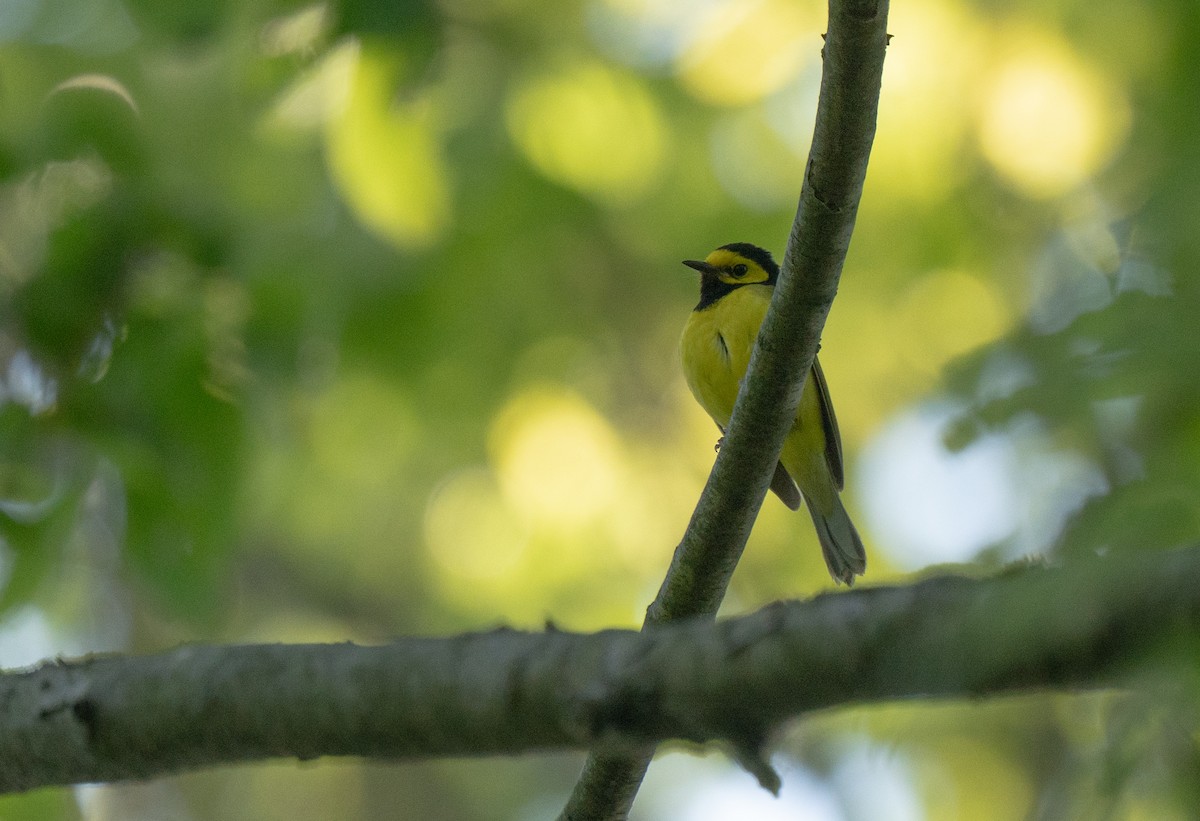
(702, 266)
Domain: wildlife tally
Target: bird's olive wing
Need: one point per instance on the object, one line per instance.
(833, 439)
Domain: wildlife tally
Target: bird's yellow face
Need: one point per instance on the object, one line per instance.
(729, 268)
(732, 268)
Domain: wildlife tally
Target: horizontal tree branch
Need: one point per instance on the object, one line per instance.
(113, 718)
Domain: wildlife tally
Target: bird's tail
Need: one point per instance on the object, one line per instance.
(843, 549)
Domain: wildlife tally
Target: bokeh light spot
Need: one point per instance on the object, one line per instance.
(1048, 121)
(590, 128)
(557, 459)
(385, 157)
(932, 71)
(743, 51)
(470, 531)
(936, 506)
(694, 788)
(893, 794)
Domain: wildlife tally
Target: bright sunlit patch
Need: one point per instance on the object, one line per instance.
(1048, 121)
(27, 637)
(933, 65)
(933, 505)
(385, 156)
(893, 794)
(712, 788)
(1017, 488)
(557, 459)
(471, 532)
(743, 51)
(590, 128)
(316, 96)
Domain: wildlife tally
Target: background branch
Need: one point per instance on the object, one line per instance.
(117, 718)
(705, 559)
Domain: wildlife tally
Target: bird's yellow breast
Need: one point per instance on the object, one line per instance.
(716, 347)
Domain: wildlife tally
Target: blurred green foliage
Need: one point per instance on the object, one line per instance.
(340, 320)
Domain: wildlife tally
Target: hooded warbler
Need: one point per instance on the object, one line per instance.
(736, 283)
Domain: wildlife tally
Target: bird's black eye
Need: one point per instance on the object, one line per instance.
(739, 270)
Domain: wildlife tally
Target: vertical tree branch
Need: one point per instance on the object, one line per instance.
(705, 559)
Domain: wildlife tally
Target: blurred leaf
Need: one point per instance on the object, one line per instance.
(167, 422)
(386, 155)
(93, 112)
(64, 307)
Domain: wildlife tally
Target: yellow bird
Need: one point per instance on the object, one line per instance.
(736, 283)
